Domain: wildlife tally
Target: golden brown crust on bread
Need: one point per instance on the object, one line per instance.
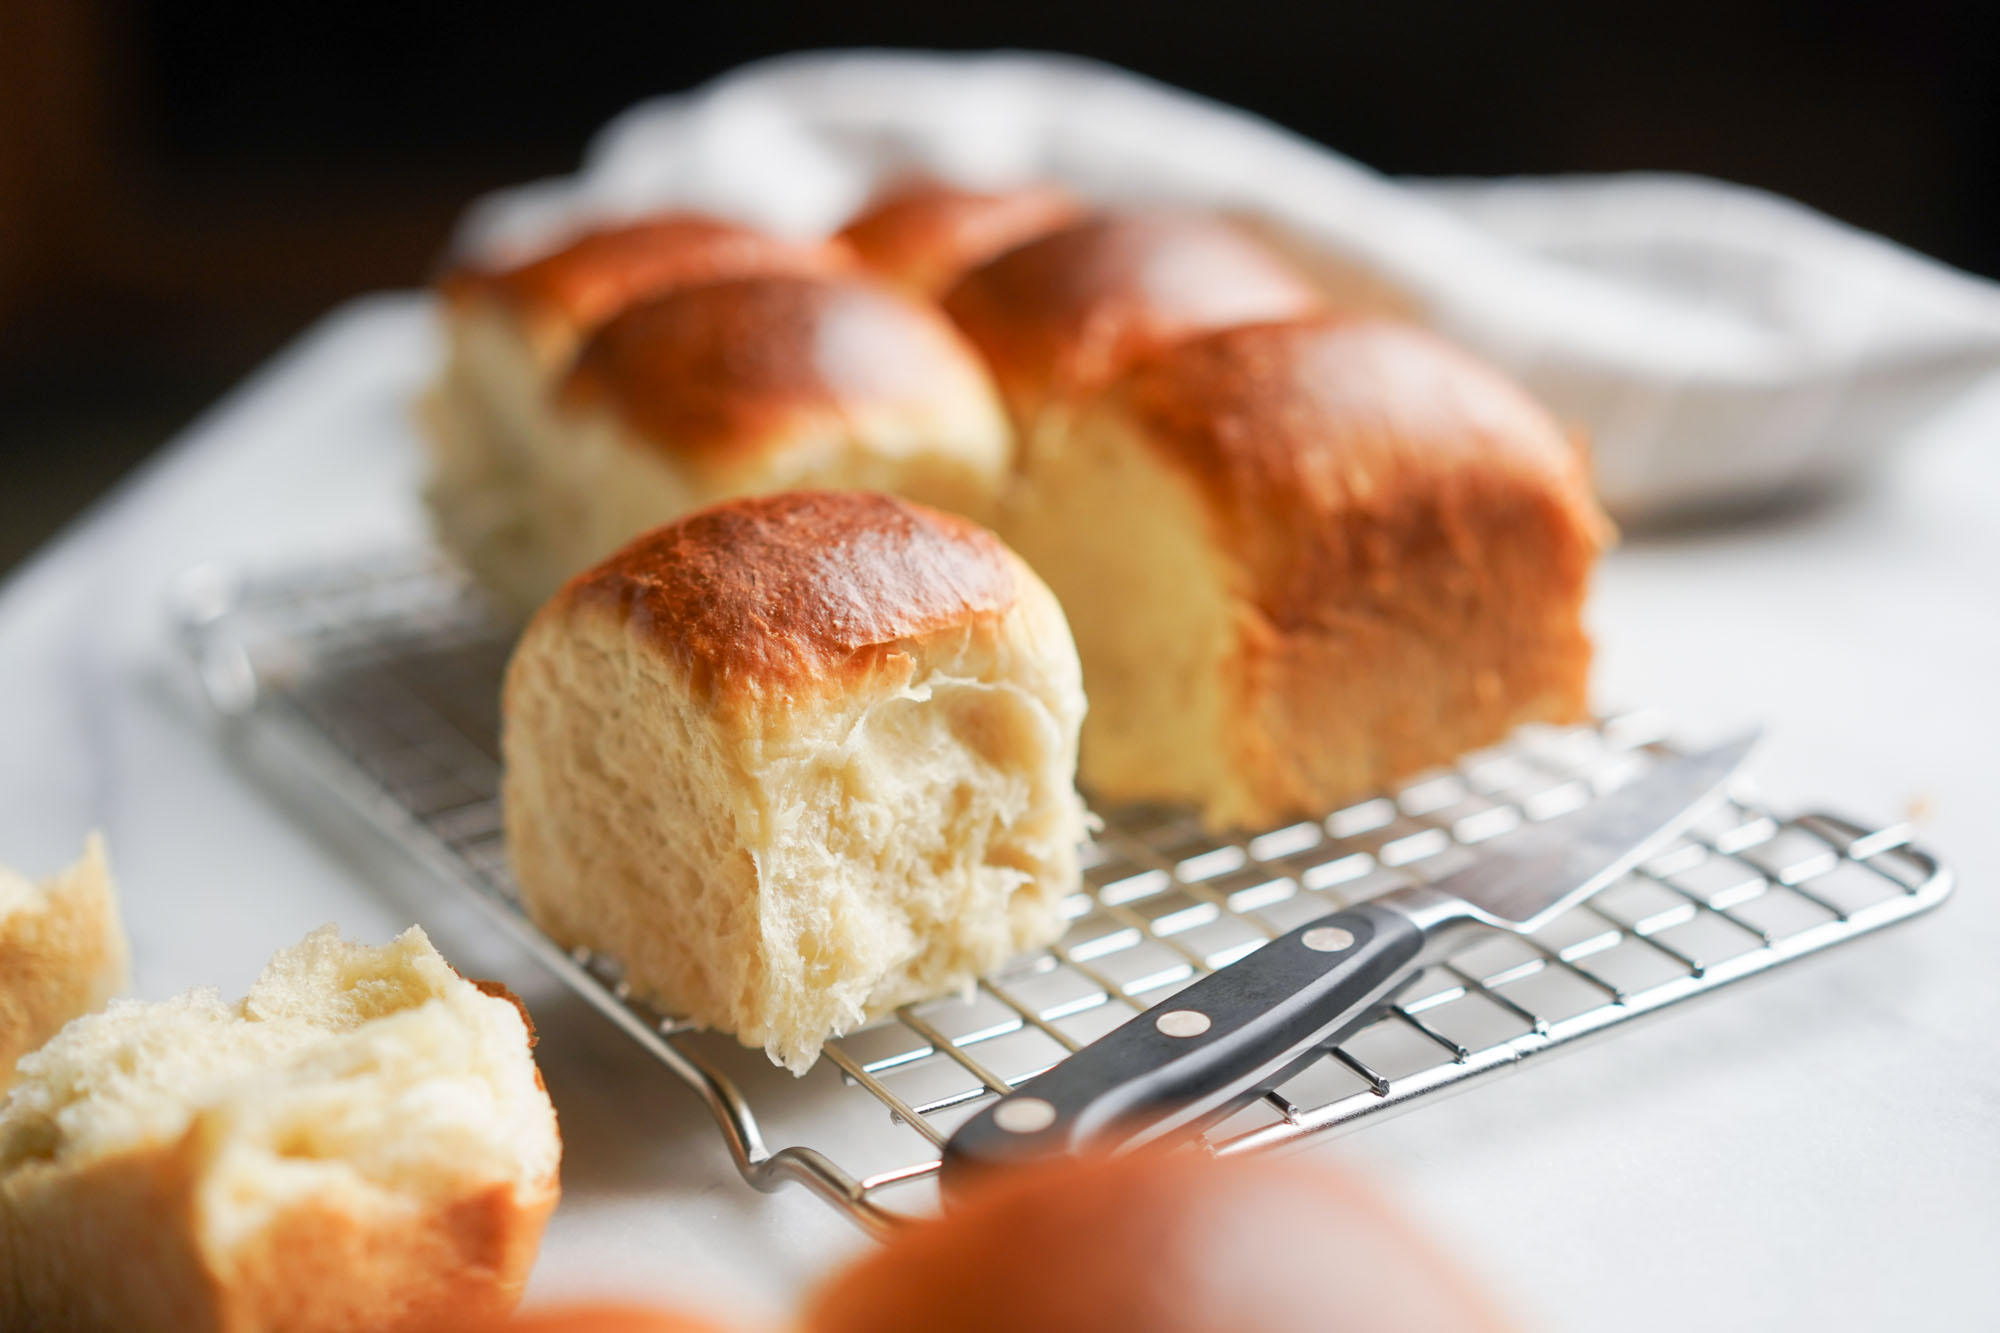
(137, 1206)
(925, 235)
(1062, 315)
(1409, 538)
(713, 373)
(770, 592)
(1331, 451)
(322, 1267)
(345, 1264)
(603, 271)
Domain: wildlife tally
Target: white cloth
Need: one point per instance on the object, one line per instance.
(1719, 344)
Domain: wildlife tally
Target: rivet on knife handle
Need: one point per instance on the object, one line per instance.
(1208, 1050)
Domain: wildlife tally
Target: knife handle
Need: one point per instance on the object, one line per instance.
(1208, 1050)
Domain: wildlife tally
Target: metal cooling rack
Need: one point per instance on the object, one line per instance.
(381, 680)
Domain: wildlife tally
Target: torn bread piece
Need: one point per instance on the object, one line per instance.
(362, 1143)
(62, 951)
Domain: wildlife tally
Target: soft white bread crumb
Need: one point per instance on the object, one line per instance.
(362, 1143)
(794, 761)
(62, 951)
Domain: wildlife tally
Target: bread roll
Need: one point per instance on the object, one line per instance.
(766, 384)
(1305, 559)
(752, 385)
(795, 760)
(1158, 1244)
(1059, 317)
(361, 1145)
(924, 236)
(62, 951)
(511, 332)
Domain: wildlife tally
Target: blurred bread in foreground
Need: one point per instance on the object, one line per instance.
(510, 333)
(1061, 316)
(924, 235)
(795, 760)
(1303, 560)
(590, 1317)
(62, 951)
(361, 1144)
(1151, 1243)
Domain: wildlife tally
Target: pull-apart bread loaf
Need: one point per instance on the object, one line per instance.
(62, 951)
(923, 236)
(511, 333)
(1059, 317)
(1305, 559)
(361, 1145)
(796, 759)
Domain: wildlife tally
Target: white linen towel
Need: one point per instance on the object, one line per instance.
(1719, 344)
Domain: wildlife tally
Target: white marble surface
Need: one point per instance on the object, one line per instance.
(1819, 1150)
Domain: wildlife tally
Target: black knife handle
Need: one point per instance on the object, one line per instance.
(1167, 1069)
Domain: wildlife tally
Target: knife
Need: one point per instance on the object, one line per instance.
(1246, 1028)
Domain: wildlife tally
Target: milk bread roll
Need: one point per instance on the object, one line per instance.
(511, 331)
(1303, 560)
(767, 384)
(794, 760)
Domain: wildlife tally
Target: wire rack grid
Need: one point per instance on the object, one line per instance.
(381, 679)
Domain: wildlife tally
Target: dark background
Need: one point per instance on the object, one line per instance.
(184, 185)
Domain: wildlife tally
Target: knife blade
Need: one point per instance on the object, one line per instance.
(1246, 1028)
